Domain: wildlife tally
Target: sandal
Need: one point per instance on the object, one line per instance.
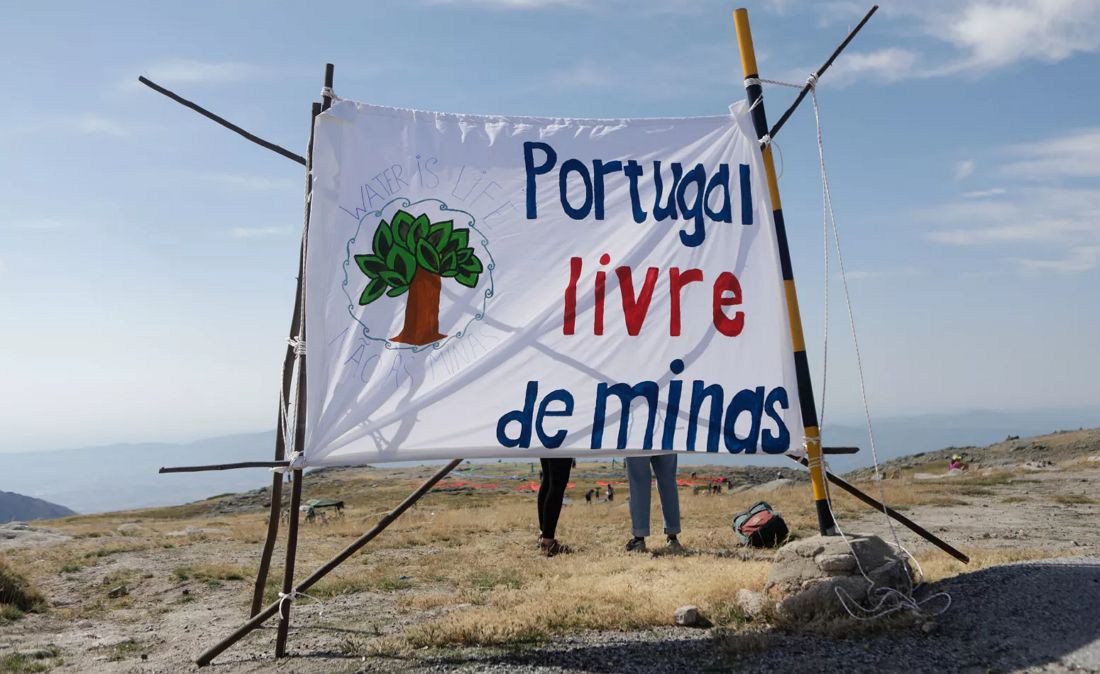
(551, 547)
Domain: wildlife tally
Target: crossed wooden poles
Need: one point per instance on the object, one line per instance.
(293, 388)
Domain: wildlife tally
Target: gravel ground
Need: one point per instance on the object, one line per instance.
(1035, 616)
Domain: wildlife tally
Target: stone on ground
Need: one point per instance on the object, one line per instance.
(807, 574)
(686, 616)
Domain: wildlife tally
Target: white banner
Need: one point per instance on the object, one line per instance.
(530, 287)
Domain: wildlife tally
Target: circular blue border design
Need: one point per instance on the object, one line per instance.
(486, 296)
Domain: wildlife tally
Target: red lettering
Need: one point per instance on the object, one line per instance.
(727, 283)
(634, 310)
(570, 322)
(676, 281)
(601, 287)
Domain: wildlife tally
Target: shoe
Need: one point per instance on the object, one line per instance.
(636, 544)
(673, 545)
(551, 548)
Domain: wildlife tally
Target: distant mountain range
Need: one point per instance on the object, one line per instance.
(19, 508)
(117, 477)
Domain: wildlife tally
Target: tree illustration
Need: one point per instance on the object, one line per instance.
(412, 254)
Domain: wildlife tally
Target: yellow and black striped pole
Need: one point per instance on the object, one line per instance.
(801, 364)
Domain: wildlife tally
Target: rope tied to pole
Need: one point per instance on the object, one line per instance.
(887, 600)
(326, 92)
(298, 344)
(286, 597)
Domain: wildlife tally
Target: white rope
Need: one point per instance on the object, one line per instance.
(901, 600)
(286, 598)
(299, 345)
(326, 92)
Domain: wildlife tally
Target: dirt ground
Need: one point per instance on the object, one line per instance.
(456, 585)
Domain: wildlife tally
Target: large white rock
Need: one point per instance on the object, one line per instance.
(807, 574)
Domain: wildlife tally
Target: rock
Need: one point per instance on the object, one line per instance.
(130, 528)
(928, 627)
(120, 591)
(836, 563)
(686, 616)
(807, 574)
(774, 484)
(751, 603)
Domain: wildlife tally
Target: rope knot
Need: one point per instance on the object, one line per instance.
(299, 345)
(326, 92)
(811, 81)
(286, 597)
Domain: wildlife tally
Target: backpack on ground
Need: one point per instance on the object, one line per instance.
(760, 527)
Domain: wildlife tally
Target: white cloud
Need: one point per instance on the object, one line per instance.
(1079, 259)
(972, 37)
(38, 224)
(255, 183)
(581, 76)
(512, 4)
(1075, 154)
(884, 65)
(995, 33)
(1053, 224)
(190, 71)
(96, 125)
(985, 194)
(257, 232)
(964, 169)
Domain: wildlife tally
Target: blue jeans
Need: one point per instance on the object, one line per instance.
(638, 475)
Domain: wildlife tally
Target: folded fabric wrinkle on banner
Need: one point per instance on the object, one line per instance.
(482, 287)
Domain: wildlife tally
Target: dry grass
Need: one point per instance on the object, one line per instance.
(465, 564)
(18, 595)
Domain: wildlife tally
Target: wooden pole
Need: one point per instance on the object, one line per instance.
(801, 363)
(882, 507)
(223, 466)
(221, 120)
(320, 573)
(300, 403)
(288, 376)
(820, 71)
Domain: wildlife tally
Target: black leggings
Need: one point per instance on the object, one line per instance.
(555, 477)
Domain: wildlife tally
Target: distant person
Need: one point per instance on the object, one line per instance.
(956, 463)
(610, 493)
(640, 478)
(588, 496)
(554, 479)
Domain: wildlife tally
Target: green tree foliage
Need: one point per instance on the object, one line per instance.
(408, 243)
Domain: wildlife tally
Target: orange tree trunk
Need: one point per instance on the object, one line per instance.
(422, 310)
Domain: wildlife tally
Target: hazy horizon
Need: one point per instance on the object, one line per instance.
(147, 256)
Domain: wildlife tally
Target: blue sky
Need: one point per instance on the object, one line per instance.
(147, 256)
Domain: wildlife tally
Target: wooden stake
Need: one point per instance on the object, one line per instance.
(299, 399)
(288, 570)
(882, 507)
(320, 573)
(296, 322)
(223, 466)
(221, 120)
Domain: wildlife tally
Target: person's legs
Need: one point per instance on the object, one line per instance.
(544, 491)
(640, 480)
(664, 467)
(558, 472)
